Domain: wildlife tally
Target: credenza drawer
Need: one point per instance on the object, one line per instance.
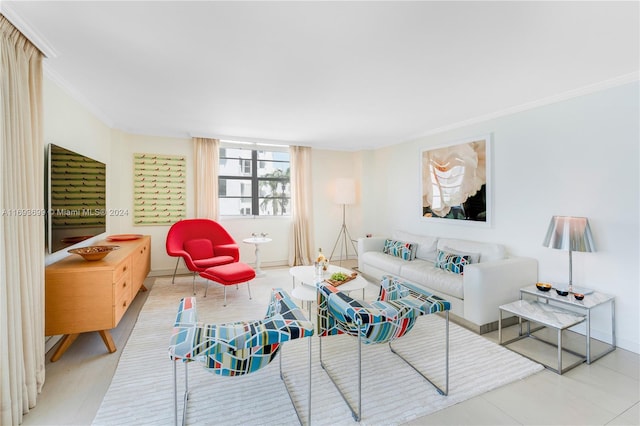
(121, 305)
(123, 287)
(124, 268)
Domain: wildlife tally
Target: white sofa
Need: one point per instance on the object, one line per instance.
(474, 295)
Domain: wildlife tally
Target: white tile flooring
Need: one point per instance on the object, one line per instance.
(606, 392)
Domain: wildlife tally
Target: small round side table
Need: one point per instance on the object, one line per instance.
(257, 241)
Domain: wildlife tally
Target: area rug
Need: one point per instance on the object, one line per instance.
(141, 392)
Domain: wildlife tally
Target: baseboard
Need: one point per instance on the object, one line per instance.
(485, 328)
(50, 342)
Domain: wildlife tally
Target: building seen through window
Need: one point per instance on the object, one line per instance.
(254, 181)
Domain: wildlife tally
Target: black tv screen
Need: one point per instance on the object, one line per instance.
(76, 198)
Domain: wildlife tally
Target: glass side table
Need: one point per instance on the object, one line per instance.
(585, 306)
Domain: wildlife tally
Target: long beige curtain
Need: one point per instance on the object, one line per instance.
(206, 160)
(22, 242)
(301, 249)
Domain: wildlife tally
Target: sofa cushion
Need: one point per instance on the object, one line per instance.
(426, 246)
(425, 273)
(488, 251)
(452, 262)
(401, 249)
(384, 262)
(473, 257)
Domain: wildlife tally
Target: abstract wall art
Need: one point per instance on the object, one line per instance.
(456, 183)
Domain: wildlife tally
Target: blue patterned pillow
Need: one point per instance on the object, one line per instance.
(406, 251)
(452, 262)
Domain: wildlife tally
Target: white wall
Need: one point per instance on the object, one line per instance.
(326, 166)
(68, 124)
(123, 148)
(578, 157)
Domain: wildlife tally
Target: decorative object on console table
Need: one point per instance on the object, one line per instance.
(85, 296)
(345, 193)
(93, 253)
(572, 234)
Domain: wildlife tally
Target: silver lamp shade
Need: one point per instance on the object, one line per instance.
(572, 234)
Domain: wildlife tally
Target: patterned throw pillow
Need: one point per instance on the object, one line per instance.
(452, 262)
(406, 251)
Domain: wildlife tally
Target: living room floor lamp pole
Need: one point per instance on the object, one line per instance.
(345, 194)
(572, 234)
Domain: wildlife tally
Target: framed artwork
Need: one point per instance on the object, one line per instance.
(159, 189)
(456, 184)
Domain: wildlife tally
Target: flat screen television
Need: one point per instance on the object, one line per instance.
(75, 198)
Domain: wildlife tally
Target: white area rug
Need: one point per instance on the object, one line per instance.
(141, 392)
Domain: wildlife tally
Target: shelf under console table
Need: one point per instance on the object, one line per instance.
(83, 296)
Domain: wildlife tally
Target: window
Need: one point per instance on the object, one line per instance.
(254, 181)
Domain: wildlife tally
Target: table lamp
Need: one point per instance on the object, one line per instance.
(572, 234)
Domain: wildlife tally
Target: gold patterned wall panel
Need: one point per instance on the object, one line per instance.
(159, 194)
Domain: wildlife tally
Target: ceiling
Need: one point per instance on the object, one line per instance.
(335, 75)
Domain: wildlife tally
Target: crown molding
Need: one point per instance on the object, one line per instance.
(581, 91)
(76, 95)
(29, 32)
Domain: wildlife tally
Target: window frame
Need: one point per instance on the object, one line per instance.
(253, 177)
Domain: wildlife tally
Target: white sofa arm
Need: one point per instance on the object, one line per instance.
(491, 284)
(369, 244)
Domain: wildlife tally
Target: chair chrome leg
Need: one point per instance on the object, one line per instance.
(286, 386)
(356, 415)
(174, 272)
(206, 288)
(194, 283)
(249, 287)
(441, 391)
(225, 295)
(447, 354)
(309, 396)
(357, 419)
(175, 392)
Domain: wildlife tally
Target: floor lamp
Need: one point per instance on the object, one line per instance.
(345, 193)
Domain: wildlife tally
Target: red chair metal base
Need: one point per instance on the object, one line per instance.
(229, 274)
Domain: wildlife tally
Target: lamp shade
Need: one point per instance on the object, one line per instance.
(345, 191)
(569, 233)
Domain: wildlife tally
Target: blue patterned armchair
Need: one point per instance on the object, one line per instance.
(237, 348)
(384, 320)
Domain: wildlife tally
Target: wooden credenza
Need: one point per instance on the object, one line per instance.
(83, 296)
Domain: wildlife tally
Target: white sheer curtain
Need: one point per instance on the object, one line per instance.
(206, 159)
(301, 250)
(21, 225)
